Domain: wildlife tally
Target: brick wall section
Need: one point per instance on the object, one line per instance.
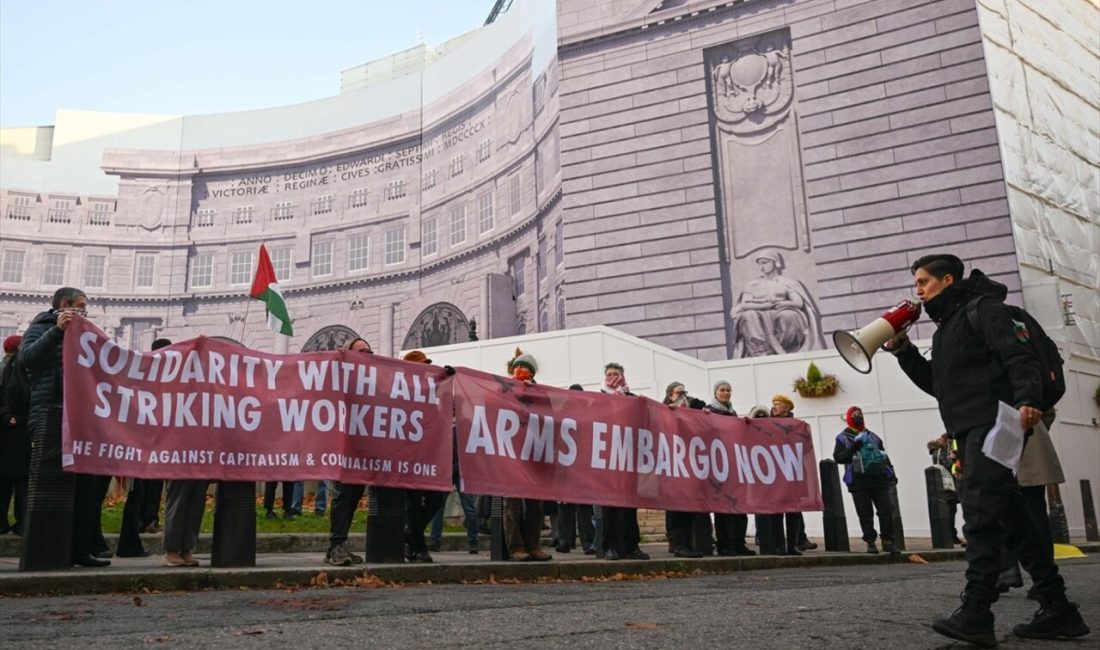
(900, 158)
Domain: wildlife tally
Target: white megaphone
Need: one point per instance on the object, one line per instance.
(858, 346)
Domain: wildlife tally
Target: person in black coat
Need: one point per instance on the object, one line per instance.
(15, 449)
(729, 529)
(40, 355)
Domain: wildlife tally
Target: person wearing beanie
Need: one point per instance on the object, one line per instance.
(15, 446)
(729, 529)
(523, 518)
(869, 477)
(794, 533)
(416, 356)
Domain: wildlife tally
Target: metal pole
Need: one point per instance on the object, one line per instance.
(1087, 504)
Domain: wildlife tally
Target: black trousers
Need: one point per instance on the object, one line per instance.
(621, 531)
(868, 502)
(149, 503)
(996, 512)
(344, 503)
(86, 504)
(574, 519)
(99, 543)
(13, 486)
(420, 507)
(129, 535)
(288, 495)
(729, 533)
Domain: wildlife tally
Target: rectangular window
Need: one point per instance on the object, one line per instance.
(322, 258)
(5, 332)
(95, 267)
(13, 266)
(429, 179)
(358, 198)
(53, 272)
(202, 271)
(322, 205)
(19, 207)
(242, 216)
(429, 237)
(204, 218)
(61, 212)
(395, 246)
(559, 245)
(240, 267)
(484, 150)
(457, 165)
(515, 194)
(280, 261)
(144, 266)
(100, 213)
(517, 265)
(395, 189)
(485, 212)
(458, 225)
(283, 211)
(357, 252)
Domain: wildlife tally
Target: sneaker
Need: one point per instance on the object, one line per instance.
(611, 554)
(420, 557)
(1056, 620)
(519, 556)
(270, 515)
(355, 558)
(889, 547)
(685, 552)
(871, 548)
(972, 622)
(472, 548)
(540, 556)
(590, 550)
(807, 545)
(338, 556)
(434, 545)
(744, 551)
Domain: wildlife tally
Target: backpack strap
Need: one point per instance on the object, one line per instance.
(972, 313)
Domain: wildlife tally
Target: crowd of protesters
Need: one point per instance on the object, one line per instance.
(689, 534)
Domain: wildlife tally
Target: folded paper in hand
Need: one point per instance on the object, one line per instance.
(1005, 442)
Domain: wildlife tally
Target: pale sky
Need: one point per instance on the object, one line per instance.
(201, 56)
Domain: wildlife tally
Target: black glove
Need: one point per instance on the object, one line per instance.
(448, 370)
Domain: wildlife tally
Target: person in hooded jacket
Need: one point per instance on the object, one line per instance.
(15, 448)
(870, 488)
(971, 371)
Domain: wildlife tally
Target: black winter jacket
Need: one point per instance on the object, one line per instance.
(970, 370)
(40, 355)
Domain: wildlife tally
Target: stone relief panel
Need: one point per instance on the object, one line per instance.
(770, 283)
(439, 324)
(331, 337)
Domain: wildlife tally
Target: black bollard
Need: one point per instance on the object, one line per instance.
(498, 550)
(385, 525)
(234, 543)
(1087, 504)
(48, 525)
(834, 520)
(939, 515)
(899, 530)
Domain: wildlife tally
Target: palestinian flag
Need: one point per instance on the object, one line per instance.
(265, 288)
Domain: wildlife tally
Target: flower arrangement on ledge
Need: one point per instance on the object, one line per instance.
(815, 384)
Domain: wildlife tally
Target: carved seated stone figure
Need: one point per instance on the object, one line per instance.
(774, 314)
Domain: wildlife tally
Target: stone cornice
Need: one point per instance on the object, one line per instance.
(573, 43)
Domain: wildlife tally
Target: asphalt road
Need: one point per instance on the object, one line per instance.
(887, 606)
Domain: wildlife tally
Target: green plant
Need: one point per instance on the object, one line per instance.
(816, 384)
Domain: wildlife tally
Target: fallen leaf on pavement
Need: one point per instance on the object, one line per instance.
(916, 559)
(137, 601)
(643, 626)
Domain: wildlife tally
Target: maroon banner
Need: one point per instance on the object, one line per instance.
(209, 409)
(538, 442)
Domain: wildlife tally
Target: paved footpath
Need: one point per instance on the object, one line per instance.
(878, 605)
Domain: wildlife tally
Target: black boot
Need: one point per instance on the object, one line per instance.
(1059, 619)
(972, 622)
(683, 548)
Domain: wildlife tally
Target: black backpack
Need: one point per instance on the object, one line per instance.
(16, 393)
(1052, 376)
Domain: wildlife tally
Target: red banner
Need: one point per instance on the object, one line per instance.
(209, 409)
(539, 442)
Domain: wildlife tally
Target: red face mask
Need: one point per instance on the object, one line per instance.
(523, 373)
